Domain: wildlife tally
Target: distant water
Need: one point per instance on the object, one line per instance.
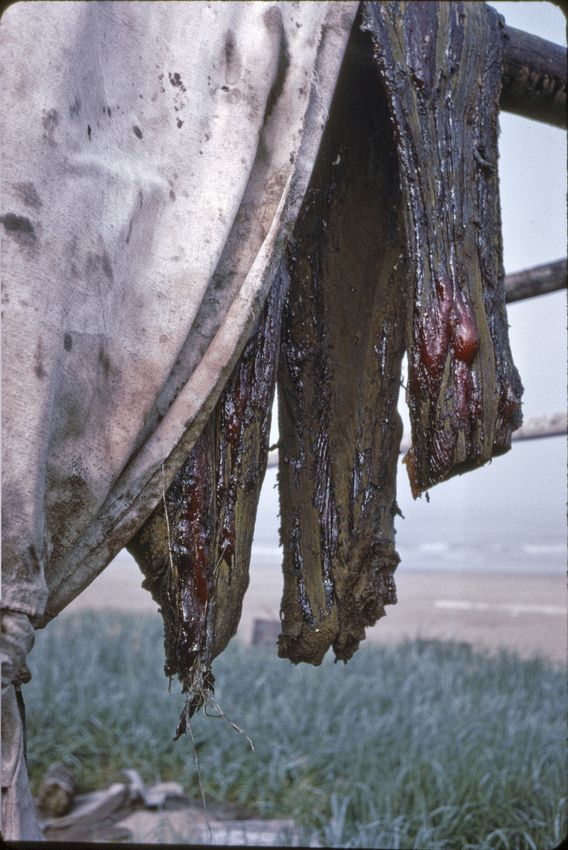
(496, 557)
(508, 516)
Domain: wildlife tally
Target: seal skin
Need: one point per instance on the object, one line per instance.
(441, 65)
(339, 377)
(194, 550)
(401, 225)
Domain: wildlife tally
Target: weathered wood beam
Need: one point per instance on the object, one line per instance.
(554, 425)
(538, 280)
(534, 78)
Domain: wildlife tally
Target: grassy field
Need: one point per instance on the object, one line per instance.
(424, 745)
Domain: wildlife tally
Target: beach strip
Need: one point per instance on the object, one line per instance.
(525, 613)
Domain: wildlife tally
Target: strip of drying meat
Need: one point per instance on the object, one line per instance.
(196, 560)
(338, 380)
(441, 64)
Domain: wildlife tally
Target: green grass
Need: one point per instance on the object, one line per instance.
(424, 745)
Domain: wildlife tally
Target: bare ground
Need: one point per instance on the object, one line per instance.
(524, 613)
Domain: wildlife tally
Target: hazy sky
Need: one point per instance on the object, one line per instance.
(532, 171)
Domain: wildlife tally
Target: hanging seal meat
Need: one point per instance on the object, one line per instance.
(441, 65)
(194, 550)
(363, 261)
(397, 245)
(339, 376)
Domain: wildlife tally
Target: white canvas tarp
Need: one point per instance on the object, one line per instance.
(154, 157)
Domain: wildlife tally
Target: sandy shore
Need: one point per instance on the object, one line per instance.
(524, 613)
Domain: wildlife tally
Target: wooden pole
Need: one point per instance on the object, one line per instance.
(538, 280)
(534, 78)
(554, 425)
(538, 427)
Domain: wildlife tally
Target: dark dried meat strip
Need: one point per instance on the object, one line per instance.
(339, 375)
(441, 64)
(196, 557)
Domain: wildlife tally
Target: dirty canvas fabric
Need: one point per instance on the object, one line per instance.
(154, 158)
(18, 819)
(17, 815)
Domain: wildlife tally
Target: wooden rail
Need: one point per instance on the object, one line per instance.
(538, 427)
(533, 82)
(538, 280)
(555, 425)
